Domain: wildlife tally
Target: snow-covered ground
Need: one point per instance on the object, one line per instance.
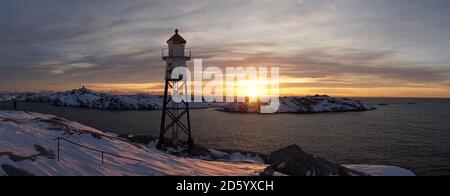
(91, 99)
(27, 145)
(309, 104)
(380, 170)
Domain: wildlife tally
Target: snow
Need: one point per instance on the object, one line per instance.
(309, 104)
(278, 174)
(21, 133)
(381, 170)
(5, 96)
(91, 99)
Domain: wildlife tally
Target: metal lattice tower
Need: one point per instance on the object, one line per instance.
(175, 56)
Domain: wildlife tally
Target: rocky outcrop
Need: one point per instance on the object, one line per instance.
(293, 161)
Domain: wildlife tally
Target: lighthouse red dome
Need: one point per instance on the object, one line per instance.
(177, 39)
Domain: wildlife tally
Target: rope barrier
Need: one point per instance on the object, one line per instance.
(103, 153)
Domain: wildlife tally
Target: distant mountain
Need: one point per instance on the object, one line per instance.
(308, 104)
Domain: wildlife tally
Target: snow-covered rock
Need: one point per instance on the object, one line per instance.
(381, 170)
(5, 96)
(91, 99)
(27, 147)
(309, 104)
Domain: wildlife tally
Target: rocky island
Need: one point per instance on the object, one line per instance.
(308, 104)
(87, 98)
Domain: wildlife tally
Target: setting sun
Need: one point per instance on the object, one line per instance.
(253, 89)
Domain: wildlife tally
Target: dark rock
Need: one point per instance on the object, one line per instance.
(293, 161)
(269, 171)
(14, 157)
(264, 157)
(14, 171)
(142, 139)
(43, 152)
(49, 154)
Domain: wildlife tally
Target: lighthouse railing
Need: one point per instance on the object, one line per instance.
(166, 53)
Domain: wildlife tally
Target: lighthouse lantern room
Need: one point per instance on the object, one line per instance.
(176, 55)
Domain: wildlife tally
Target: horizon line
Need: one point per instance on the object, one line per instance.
(124, 93)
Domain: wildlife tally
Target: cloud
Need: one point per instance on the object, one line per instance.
(347, 44)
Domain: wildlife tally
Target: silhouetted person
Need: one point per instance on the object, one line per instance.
(14, 104)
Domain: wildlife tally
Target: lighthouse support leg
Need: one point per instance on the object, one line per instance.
(190, 140)
(163, 117)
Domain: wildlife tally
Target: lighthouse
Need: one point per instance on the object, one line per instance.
(175, 116)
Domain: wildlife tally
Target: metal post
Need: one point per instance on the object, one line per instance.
(58, 149)
(14, 102)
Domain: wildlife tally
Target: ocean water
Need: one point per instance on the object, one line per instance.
(411, 133)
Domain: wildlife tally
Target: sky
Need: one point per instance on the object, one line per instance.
(382, 48)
